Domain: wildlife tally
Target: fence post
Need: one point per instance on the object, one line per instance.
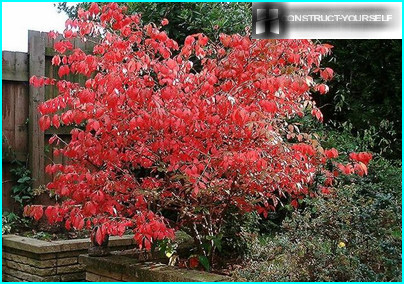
(36, 138)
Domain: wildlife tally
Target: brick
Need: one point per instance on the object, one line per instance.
(91, 277)
(30, 277)
(129, 278)
(74, 253)
(32, 255)
(30, 261)
(43, 247)
(29, 244)
(30, 269)
(71, 277)
(10, 278)
(67, 261)
(126, 240)
(105, 273)
(126, 268)
(70, 269)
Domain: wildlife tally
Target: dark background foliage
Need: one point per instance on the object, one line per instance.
(186, 18)
(366, 90)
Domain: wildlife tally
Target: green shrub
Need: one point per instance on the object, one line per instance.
(12, 223)
(238, 232)
(352, 236)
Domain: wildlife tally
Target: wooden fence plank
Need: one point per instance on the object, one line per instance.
(21, 116)
(36, 50)
(8, 111)
(15, 66)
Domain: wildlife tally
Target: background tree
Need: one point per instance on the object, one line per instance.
(366, 90)
(185, 18)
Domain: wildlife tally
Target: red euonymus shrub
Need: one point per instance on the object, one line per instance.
(194, 129)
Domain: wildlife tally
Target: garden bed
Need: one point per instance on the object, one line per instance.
(131, 267)
(28, 259)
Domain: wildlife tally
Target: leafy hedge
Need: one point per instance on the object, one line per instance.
(354, 235)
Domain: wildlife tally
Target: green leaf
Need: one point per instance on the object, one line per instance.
(396, 234)
(218, 244)
(205, 262)
(288, 207)
(23, 179)
(154, 245)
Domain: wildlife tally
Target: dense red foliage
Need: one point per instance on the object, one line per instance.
(195, 129)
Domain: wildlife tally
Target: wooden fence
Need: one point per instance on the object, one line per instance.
(21, 131)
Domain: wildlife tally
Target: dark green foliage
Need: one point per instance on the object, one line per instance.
(238, 231)
(12, 222)
(187, 18)
(352, 236)
(345, 138)
(366, 89)
(22, 191)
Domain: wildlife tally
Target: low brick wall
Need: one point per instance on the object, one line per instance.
(121, 267)
(28, 259)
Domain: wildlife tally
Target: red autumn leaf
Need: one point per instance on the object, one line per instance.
(37, 81)
(96, 125)
(50, 214)
(331, 153)
(35, 211)
(78, 117)
(44, 122)
(63, 70)
(189, 40)
(363, 157)
(162, 36)
(78, 222)
(164, 22)
(55, 121)
(89, 209)
(94, 9)
(193, 262)
(99, 235)
(68, 33)
(56, 60)
(202, 39)
(327, 74)
(225, 39)
(52, 34)
(323, 89)
(147, 244)
(268, 106)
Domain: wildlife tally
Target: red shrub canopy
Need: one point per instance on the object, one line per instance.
(193, 129)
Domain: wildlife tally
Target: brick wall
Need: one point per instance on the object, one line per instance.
(134, 267)
(27, 259)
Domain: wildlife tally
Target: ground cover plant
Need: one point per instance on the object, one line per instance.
(353, 235)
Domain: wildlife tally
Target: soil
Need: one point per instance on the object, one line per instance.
(54, 236)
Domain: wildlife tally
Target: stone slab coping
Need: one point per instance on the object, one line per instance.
(127, 268)
(44, 247)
